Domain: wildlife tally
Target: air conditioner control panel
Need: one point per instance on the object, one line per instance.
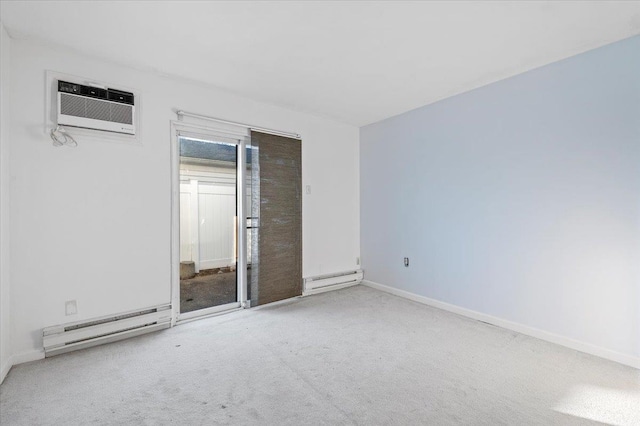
(108, 94)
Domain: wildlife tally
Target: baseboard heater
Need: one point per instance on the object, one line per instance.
(83, 334)
(321, 283)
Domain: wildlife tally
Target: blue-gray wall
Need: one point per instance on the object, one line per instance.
(520, 200)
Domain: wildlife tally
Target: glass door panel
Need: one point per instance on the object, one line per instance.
(208, 223)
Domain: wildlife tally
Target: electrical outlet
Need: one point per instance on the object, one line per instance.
(308, 189)
(357, 261)
(406, 262)
(71, 307)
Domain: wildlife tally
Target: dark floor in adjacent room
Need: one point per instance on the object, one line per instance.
(208, 289)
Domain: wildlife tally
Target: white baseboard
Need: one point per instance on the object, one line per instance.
(29, 356)
(5, 369)
(588, 348)
(21, 358)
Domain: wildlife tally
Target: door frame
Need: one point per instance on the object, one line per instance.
(242, 139)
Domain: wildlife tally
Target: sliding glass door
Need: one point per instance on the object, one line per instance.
(211, 199)
(237, 220)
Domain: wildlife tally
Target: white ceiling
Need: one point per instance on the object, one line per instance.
(357, 62)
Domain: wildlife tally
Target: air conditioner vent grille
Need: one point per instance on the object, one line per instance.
(84, 107)
(98, 110)
(121, 113)
(73, 105)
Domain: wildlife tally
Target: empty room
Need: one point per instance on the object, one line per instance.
(320, 213)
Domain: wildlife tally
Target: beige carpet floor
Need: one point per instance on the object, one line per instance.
(355, 356)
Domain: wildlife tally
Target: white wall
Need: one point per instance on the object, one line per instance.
(5, 339)
(519, 200)
(90, 224)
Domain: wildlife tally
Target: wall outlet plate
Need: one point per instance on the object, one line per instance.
(71, 307)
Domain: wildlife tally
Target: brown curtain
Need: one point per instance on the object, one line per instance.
(277, 273)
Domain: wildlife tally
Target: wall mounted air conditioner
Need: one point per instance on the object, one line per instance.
(97, 108)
